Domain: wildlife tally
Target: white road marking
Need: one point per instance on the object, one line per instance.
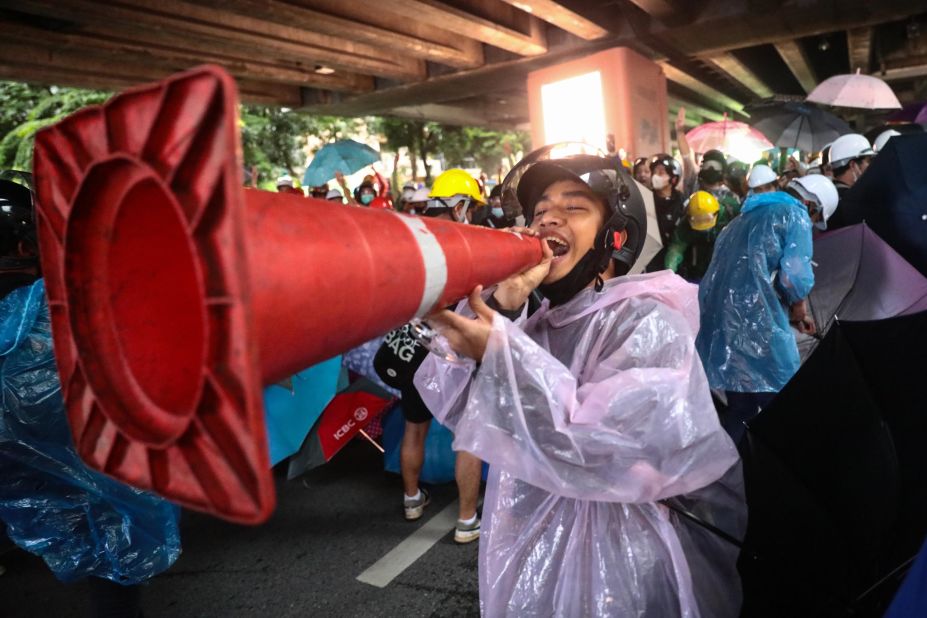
(413, 547)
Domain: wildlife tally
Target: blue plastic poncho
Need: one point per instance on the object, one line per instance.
(761, 264)
(77, 520)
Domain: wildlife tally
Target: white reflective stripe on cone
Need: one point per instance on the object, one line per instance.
(433, 260)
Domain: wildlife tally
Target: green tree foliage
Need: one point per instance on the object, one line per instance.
(26, 108)
(482, 148)
(419, 137)
(273, 138)
(460, 146)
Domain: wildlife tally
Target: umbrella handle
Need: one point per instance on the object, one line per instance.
(888, 576)
(372, 441)
(704, 524)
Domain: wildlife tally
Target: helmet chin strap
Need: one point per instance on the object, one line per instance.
(607, 246)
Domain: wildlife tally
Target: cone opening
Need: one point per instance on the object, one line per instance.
(137, 306)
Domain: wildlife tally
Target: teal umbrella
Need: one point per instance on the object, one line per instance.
(292, 407)
(345, 156)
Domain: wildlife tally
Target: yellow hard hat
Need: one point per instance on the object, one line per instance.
(456, 182)
(703, 211)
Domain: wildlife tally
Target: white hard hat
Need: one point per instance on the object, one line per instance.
(848, 147)
(820, 189)
(760, 175)
(420, 195)
(285, 181)
(884, 136)
(334, 194)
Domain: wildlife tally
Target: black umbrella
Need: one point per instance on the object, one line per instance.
(891, 197)
(834, 471)
(798, 125)
(858, 277)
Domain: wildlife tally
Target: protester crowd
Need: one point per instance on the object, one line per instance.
(607, 404)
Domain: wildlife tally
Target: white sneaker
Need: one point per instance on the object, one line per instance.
(415, 507)
(467, 533)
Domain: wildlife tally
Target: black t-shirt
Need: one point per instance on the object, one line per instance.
(399, 357)
(668, 210)
(839, 217)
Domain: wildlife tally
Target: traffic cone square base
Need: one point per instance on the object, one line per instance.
(140, 215)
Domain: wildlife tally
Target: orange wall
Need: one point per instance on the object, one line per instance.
(634, 89)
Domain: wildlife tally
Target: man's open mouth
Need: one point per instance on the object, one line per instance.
(557, 245)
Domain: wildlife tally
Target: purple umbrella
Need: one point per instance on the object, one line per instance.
(915, 112)
(858, 278)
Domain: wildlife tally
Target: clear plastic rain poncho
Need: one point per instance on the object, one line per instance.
(590, 416)
(761, 264)
(79, 521)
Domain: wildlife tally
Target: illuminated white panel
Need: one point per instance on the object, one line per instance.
(574, 110)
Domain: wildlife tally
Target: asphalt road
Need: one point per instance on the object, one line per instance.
(304, 561)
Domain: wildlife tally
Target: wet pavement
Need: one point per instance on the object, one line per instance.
(329, 527)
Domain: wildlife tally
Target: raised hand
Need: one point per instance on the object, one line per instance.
(466, 336)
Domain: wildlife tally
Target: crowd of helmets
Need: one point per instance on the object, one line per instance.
(455, 194)
(692, 200)
(695, 201)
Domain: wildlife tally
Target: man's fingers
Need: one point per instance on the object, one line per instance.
(479, 307)
(546, 251)
(445, 319)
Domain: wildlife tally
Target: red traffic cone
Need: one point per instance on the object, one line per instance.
(175, 294)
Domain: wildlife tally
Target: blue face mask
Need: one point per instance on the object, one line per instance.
(497, 212)
(366, 198)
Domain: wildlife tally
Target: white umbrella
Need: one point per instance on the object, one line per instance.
(652, 244)
(855, 90)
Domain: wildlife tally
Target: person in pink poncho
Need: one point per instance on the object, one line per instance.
(612, 485)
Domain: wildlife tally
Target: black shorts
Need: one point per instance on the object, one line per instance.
(413, 408)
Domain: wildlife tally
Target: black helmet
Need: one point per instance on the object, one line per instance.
(17, 220)
(611, 182)
(669, 163)
(714, 166)
(736, 171)
(17, 223)
(638, 162)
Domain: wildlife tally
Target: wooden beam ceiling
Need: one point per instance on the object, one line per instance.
(730, 64)
(155, 52)
(281, 43)
(899, 73)
(488, 78)
(466, 24)
(859, 47)
(696, 85)
(562, 17)
(731, 26)
(66, 69)
(359, 11)
(662, 10)
(265, 39)
(795, 58)
(724, 25)
(311, 20)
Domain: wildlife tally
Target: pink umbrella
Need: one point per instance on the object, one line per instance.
(855, 90)
(728, 136)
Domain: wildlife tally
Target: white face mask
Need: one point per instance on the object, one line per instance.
(497, 212)
(659, 182)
